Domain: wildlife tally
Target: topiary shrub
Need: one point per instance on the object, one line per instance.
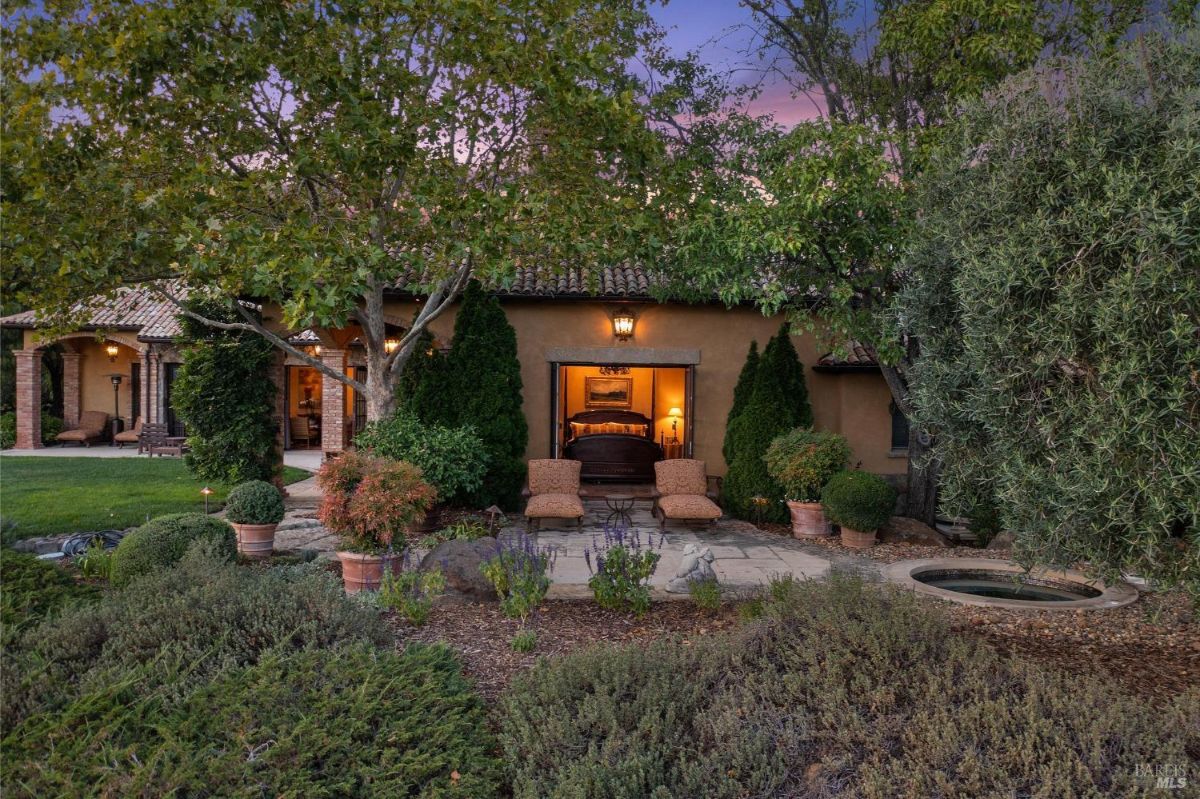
(453, 459)
(859, 500)
(254, 502)
(912, 709)
(371, 502)
(223, 397)
(778, 402)
(162, 542)
(8, 430)
(802, 461)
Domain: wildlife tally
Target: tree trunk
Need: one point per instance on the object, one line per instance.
(923, 469)
(381, 395)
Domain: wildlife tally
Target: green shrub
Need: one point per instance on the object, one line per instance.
(411, 593)
(742, 391)
(32, 589)
(453, 459)
(8, 430)
(254, 502)
(839, 689)
(162, 542)
(167, 632)
(777, 403)
(51, 427)
(96, 561)
(859, 500)
(224, 400)
(706, 594)
(524, 641)
(804, 460)
(351, 721)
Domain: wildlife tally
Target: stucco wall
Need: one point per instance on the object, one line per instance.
(855, 405)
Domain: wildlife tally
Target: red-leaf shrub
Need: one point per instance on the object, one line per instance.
(371, 502)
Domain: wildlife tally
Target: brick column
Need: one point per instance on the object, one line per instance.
(333, 404)
(71, 389)
(29, 398)
(147, 378)
(277, 374)
(150, 379)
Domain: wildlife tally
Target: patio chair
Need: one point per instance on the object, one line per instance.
(133, 436)
(156, 439)
(682, 492)
(300, 428)
(92, 425)
(553, 492)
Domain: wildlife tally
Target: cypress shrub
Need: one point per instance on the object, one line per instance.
(741, 395)
(778, 403)
(483, 390)
(225, 401)
(423, 384)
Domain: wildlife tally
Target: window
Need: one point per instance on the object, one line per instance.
(899, 429)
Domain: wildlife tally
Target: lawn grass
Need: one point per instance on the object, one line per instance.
(44, 496)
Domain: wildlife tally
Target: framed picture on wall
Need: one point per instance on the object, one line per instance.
(608, 392)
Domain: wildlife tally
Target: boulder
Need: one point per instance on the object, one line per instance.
(903, 530)
(459, 560)
(1001, 541)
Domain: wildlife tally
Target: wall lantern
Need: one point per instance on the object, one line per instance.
(390, 345)
(112, 350)
(622, 322)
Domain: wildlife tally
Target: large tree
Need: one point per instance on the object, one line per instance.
(1056, 290)
(308, 157)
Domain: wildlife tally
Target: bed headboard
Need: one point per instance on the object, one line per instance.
(612, 416)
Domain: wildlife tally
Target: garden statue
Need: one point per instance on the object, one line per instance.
(695, 566)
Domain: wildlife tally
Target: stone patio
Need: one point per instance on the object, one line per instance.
(745, 556)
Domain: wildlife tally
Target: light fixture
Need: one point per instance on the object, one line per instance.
(609, 371)
(207, 492)
(390, 345)
(112, 350)
(676, 414)
(317, 350)
(622, 323)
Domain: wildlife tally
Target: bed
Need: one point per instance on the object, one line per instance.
(613, 445)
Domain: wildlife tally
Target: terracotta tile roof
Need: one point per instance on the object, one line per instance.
(623, 281)
(139, 309)
(858, 358)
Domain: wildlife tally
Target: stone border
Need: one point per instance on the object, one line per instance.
(902, 574)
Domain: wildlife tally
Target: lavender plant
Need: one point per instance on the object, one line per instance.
(623, 566)
(518, 572)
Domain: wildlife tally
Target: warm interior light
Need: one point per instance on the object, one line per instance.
(622, 322)
(675, 412)
(390, 345)
(317, 349)
(112, 350)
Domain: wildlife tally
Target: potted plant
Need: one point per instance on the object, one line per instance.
(860, 503)
(255, 509)
(452, 459)
(802, 461)
(371, 503)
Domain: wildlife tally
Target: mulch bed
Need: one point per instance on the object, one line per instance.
(480, 633)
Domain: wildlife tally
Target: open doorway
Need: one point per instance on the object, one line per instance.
(304, 410)
(619, 420)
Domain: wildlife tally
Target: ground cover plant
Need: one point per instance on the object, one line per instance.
(213, 679)
(834, 690)
(32, 589)
(45, 496)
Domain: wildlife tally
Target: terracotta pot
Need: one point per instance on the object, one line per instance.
(857, 539)
(255, 541)
(808, 520)
(365, 572)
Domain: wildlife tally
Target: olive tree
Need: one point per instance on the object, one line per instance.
(1055, 286)
(310, 157)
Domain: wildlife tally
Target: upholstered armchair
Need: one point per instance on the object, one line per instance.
(682, 492)
(553, 491)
